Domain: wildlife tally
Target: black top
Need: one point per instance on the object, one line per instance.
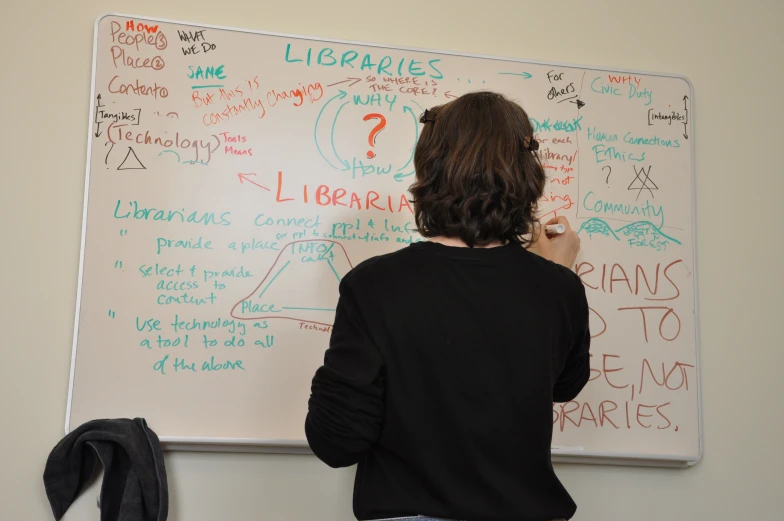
(439, 381)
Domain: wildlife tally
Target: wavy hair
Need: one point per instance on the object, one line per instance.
(477, 176)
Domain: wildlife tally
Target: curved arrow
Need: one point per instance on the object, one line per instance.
(340, 95)
(332, 137)
(416, 137)
(399, 177)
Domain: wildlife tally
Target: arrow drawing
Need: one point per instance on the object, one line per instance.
(448, 94)
(244, 177)
(98, 132)
(332, 137)
(524, 75)
(416, 136)
(353, 81)
(340, 95)
(686, 109)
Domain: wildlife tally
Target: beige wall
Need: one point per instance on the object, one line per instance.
(733, 53)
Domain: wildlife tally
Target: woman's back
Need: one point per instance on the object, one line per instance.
(448, 407)
(445, 357)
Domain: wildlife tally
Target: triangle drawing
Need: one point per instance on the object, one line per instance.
(132, 161)
(302, 284)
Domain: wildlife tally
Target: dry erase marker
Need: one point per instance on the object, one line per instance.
(555, 229)
(565, 448)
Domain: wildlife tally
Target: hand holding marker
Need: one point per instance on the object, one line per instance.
(556, 241)
(554, 229)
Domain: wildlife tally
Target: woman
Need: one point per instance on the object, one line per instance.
(446, 356)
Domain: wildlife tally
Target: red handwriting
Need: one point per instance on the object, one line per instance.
(562, 180)
(552, 198)
(554, 213)
(676, 375)
(666, 377)
(138, 26)
(324, 195)
(607, 414)
(594, 334)
(618, 278)
(313, 92)
(554, 140)
(231, 149)
(606, 371)
(233, 110)
(558, 168)
(668, 312)
(624, 79)
(548, 155)
(315, 327)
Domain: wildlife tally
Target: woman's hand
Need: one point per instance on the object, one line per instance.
(561, 249)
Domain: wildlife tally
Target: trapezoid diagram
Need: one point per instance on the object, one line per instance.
(302, 284)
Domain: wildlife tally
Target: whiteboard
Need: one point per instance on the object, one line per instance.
(234, 177)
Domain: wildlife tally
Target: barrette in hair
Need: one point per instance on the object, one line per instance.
(533, 145)
(427, 117)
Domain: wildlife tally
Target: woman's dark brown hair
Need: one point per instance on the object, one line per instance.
(476, 178)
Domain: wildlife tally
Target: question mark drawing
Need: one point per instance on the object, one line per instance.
(609, 171)
(373, 133)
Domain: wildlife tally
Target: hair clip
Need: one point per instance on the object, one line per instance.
(533, 145)
(427, 117)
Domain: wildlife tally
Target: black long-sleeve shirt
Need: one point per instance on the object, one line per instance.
(439, 381)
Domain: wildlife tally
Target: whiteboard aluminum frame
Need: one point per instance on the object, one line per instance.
(301, 447)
